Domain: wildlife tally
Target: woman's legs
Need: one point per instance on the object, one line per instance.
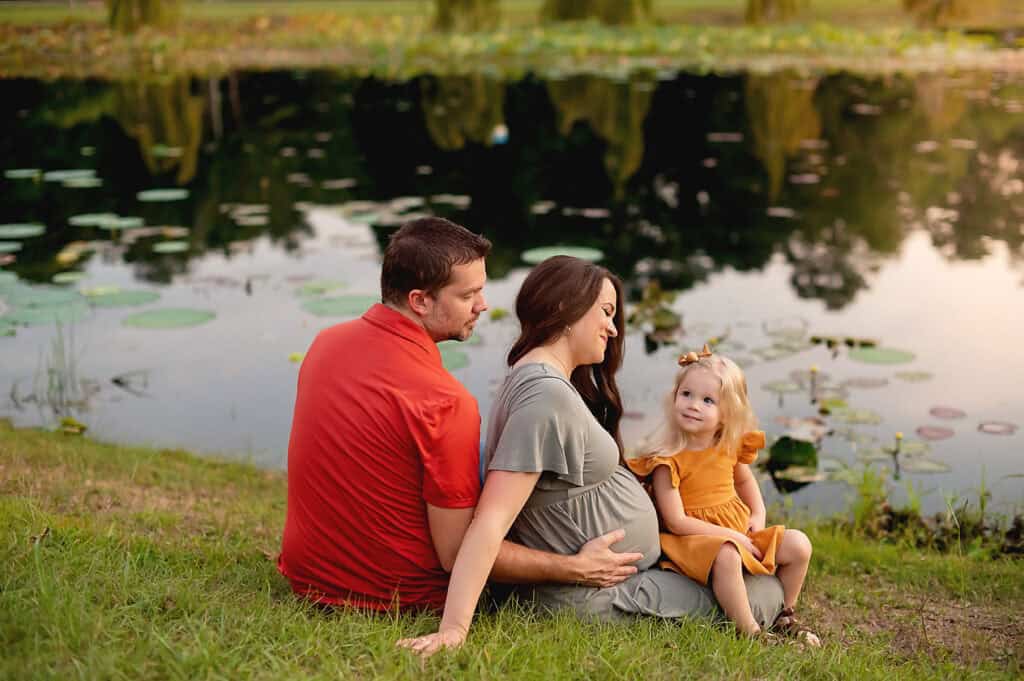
(727, 583)
(793, 557)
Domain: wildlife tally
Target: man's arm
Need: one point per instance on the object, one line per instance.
(594, 565)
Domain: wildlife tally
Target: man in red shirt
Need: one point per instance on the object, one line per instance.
(384, 450)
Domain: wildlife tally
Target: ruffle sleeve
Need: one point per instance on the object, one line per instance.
(643, 467)
(749, 444)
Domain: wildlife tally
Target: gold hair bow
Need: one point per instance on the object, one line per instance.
(691, 357)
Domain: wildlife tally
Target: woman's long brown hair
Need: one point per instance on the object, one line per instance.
(555, 295)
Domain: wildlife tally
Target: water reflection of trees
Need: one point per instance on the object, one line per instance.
(614, 12)
(461, 109)
(615, 111)
(466, 15)
(847, 165)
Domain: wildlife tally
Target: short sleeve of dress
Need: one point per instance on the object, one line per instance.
(644, 466)
(749, 444)
(545, 433)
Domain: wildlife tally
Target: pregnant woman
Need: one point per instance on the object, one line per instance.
(554, 458)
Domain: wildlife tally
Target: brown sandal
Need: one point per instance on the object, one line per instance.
(788, 625)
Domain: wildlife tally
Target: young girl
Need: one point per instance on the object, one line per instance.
(709, 502)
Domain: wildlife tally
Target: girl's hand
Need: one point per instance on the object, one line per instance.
(431, 643)
(756, 522)
(744, 541)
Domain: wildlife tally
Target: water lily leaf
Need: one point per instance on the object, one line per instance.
(811, 429)
(874, 454)
(319, 287)
(997, 428)
(781, 387)
(877, 355)
(804, 376)
(914, 376)
(948, 413)
(788, 451)
(123, 298)
(8, 279)
(454, 360)
(10, 246)
(914, 448)
(805, 474)
(342, 183)
(119, 222)
(171, 247)
(71, 426)
(65, 175)
(866, 382)
(772, 352)
(340, 306)
(934, 432)
(164, 151)
(91, 219)
(856, 416)
(296, 357)
(23, 173)
(162, 195)
(40, 296)
(922, 465)
(727, 347)
(534, 256)
(7, 330)
(83, 183)
(169, 318)
(48, 315)
(785, 327)
(855, 437)
(498, 313)
(793, 345)
(67, 277)
(830, 404)
(21, 230)
(405, 203)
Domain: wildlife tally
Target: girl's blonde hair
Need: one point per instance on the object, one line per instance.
(736, 414)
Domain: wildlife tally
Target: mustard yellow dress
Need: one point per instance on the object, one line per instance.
(705, 483)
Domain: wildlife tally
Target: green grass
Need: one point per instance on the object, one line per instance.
(133, 563)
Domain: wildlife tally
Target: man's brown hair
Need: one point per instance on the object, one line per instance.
(421, 255)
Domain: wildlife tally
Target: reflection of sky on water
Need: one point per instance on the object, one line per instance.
(228, 387)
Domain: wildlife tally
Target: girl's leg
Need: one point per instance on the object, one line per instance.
(727, 584)
(793, 557)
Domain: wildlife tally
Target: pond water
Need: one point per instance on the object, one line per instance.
(871, 228)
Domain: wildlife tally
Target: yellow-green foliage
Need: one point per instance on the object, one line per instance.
(128, 16)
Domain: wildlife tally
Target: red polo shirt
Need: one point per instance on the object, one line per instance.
(380, 429)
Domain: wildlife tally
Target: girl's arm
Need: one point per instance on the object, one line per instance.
(502, 498)
(750, 492)
(673, 515)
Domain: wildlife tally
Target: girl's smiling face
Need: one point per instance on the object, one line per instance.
(697, 405)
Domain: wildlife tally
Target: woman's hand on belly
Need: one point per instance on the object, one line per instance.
(597, 565)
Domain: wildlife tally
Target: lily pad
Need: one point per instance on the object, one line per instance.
(997, 428)
(23, 173)
(169, 318)
(804, 376)
(785, 327)
(781, 387)
(67, 277)
(8, 279)
(874, 454)
(866, 382)
(788, 451)
(454, 360)
(856, 416)
(811, 429)
(83, 183)
(296, 357)
(162, 195)
(772, 352)
(922, 465)
(934, 432)
(871, 355)
(124, 298)
(319, 287)
(170, 247)
(914, 376)
(10, 246)
(40, 296)
(340, 306)
(534, 256)
(947, 413)
(65, 175)
(21, 230)
(91, 219)
(118, 222)
(804, 474)
(48, 314)
(855, 437)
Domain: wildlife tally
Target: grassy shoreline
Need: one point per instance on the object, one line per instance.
(394, 40)
(127, 562)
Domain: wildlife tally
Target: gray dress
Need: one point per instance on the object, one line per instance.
(539, 423)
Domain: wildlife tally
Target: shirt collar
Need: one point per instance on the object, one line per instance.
(398, 324)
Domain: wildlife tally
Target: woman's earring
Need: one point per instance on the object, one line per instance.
(568, 330)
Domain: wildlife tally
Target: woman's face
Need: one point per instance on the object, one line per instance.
(588, 337)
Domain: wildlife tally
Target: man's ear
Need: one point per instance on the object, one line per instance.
(419, 301)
